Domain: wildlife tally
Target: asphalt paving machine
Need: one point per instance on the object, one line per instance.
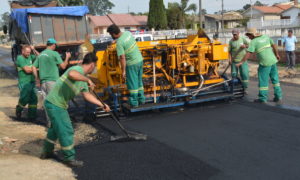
(177, 72)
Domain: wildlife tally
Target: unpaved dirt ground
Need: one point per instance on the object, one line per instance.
(21, 141)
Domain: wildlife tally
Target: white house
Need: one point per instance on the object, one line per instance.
(266, 12)
(292, 13)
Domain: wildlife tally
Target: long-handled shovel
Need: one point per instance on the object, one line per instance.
(129, 135)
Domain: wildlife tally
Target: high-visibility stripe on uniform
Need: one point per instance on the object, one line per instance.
(22, 106)
(134, 91)
(276, 85)
(67, 147)
(130, 48)
(69, 84)
(32, 106)
(50, 141)
(141, 88)
(264, 88)
(21, 69)
(263, 48)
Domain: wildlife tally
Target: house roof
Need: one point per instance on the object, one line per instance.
(101, 20)
(127, 19)
(297, 7)
(122, 19)
(275, 9)
(232, 15)
(141, 20)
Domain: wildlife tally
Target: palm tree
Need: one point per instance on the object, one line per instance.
(184, 8)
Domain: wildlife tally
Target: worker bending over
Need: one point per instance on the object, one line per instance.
(237, 50)
(131, 63)
(71, 83)
(267, 55)
(26, 83)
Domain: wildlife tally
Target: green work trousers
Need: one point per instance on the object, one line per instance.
(134, 81)
(264, 74)
(243, 70)
(61, 129)
(28, 96)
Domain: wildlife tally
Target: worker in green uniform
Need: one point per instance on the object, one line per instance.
(131, 63)
(26, 83)
(267, 55)
(47, 63)
(71, 83)
(237, 50)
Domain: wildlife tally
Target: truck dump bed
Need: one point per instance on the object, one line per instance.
(68, 25)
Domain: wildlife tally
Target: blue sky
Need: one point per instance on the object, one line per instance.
(121, 6)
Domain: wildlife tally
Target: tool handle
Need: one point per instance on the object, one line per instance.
(115, 118)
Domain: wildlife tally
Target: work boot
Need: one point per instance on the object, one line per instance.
(18, 112)
(260, 101)
(47, 155)
(278, 101)
(73, 163)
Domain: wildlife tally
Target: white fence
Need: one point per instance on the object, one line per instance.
(275, 23)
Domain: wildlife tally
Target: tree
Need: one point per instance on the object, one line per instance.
(203, 11)
(99, 7)
(157, 17)
(247, 6)
(173, 16)
(183, 9)
(70, 2)
(5, 18)
(257, 3)
(96, 7)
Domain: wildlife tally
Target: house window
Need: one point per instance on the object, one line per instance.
(127, 28)
(285, 17)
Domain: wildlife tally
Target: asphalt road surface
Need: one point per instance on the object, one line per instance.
(236, 140)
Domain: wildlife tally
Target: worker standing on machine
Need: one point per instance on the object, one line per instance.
(267, 55)
(131, 62)
(237, 50)
(26, 83)
(71, 83)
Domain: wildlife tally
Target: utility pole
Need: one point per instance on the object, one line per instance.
(222, 13)
(251, 13)
(200, 14)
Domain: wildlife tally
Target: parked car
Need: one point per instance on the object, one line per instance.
(143, 37)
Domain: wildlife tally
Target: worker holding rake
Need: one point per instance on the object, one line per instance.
(71, 83)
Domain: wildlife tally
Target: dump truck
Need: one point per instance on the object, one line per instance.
(68, 25)
(175, 73)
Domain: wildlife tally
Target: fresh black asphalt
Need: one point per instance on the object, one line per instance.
(217, 141)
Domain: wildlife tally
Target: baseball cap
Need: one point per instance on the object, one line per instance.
(51, 41)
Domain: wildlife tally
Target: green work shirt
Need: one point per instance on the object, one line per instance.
(126, 44)
(262, 46)
(66, 89)
(47, 63)
(237, 53)
(21, 63)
